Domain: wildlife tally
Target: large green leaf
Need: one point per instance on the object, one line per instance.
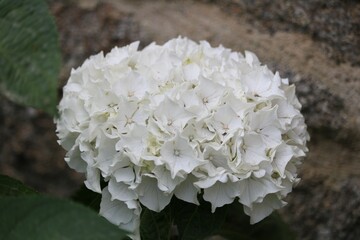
(197, 222)
(13, 187)
(88, 198)
(44, 218)
(29, 53)
(237, 226)
(156, 226)
(192, 222)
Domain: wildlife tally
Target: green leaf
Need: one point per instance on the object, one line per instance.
(88, 198)
(29, 54)
(156, 226)
(13, 187)
(197, 222)
(237, 226)
(44, 218)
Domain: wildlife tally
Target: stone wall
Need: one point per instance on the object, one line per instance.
(313, 43)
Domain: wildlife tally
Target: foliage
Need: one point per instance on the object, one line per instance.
(13, 187)
(237, 227)
(25, 215)
(194, 222)
(29, 54)
(156, 225)
(87, 198)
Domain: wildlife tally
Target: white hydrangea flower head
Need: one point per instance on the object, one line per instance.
(180, 119)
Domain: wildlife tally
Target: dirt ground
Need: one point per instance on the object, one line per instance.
(315, 45)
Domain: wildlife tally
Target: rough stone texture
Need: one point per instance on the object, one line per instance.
(313, 43)
(335, 23)
(90, 28)
(29, 151)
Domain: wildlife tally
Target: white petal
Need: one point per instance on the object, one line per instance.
(171, 116)
(187, 191)
(75, 161)
(253, 189)
(259, 173)
(179, 156)
(192, 103)
(219, 158)
(151, 196)
(93, 179)
(240, 106)
(283, 155)
(226, 122)
(134, 142)
(209, 92)
(208, 182)
(259, 211)
(117, 212)
(124, 174)
(221, 193)
(120, 191)
(191, 72)
(271, 136)
(203, 132)
(166, 183)
(107, 154)
(251, 58)
(131, 85)
(116, 55)
(263, 118)
(257, 82)
(254, 149)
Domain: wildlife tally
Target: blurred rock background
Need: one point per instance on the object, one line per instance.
(316, 44)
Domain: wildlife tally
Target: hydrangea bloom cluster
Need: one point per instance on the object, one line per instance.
(181, 119)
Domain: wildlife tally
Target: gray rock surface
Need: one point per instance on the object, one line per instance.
(334, 23)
